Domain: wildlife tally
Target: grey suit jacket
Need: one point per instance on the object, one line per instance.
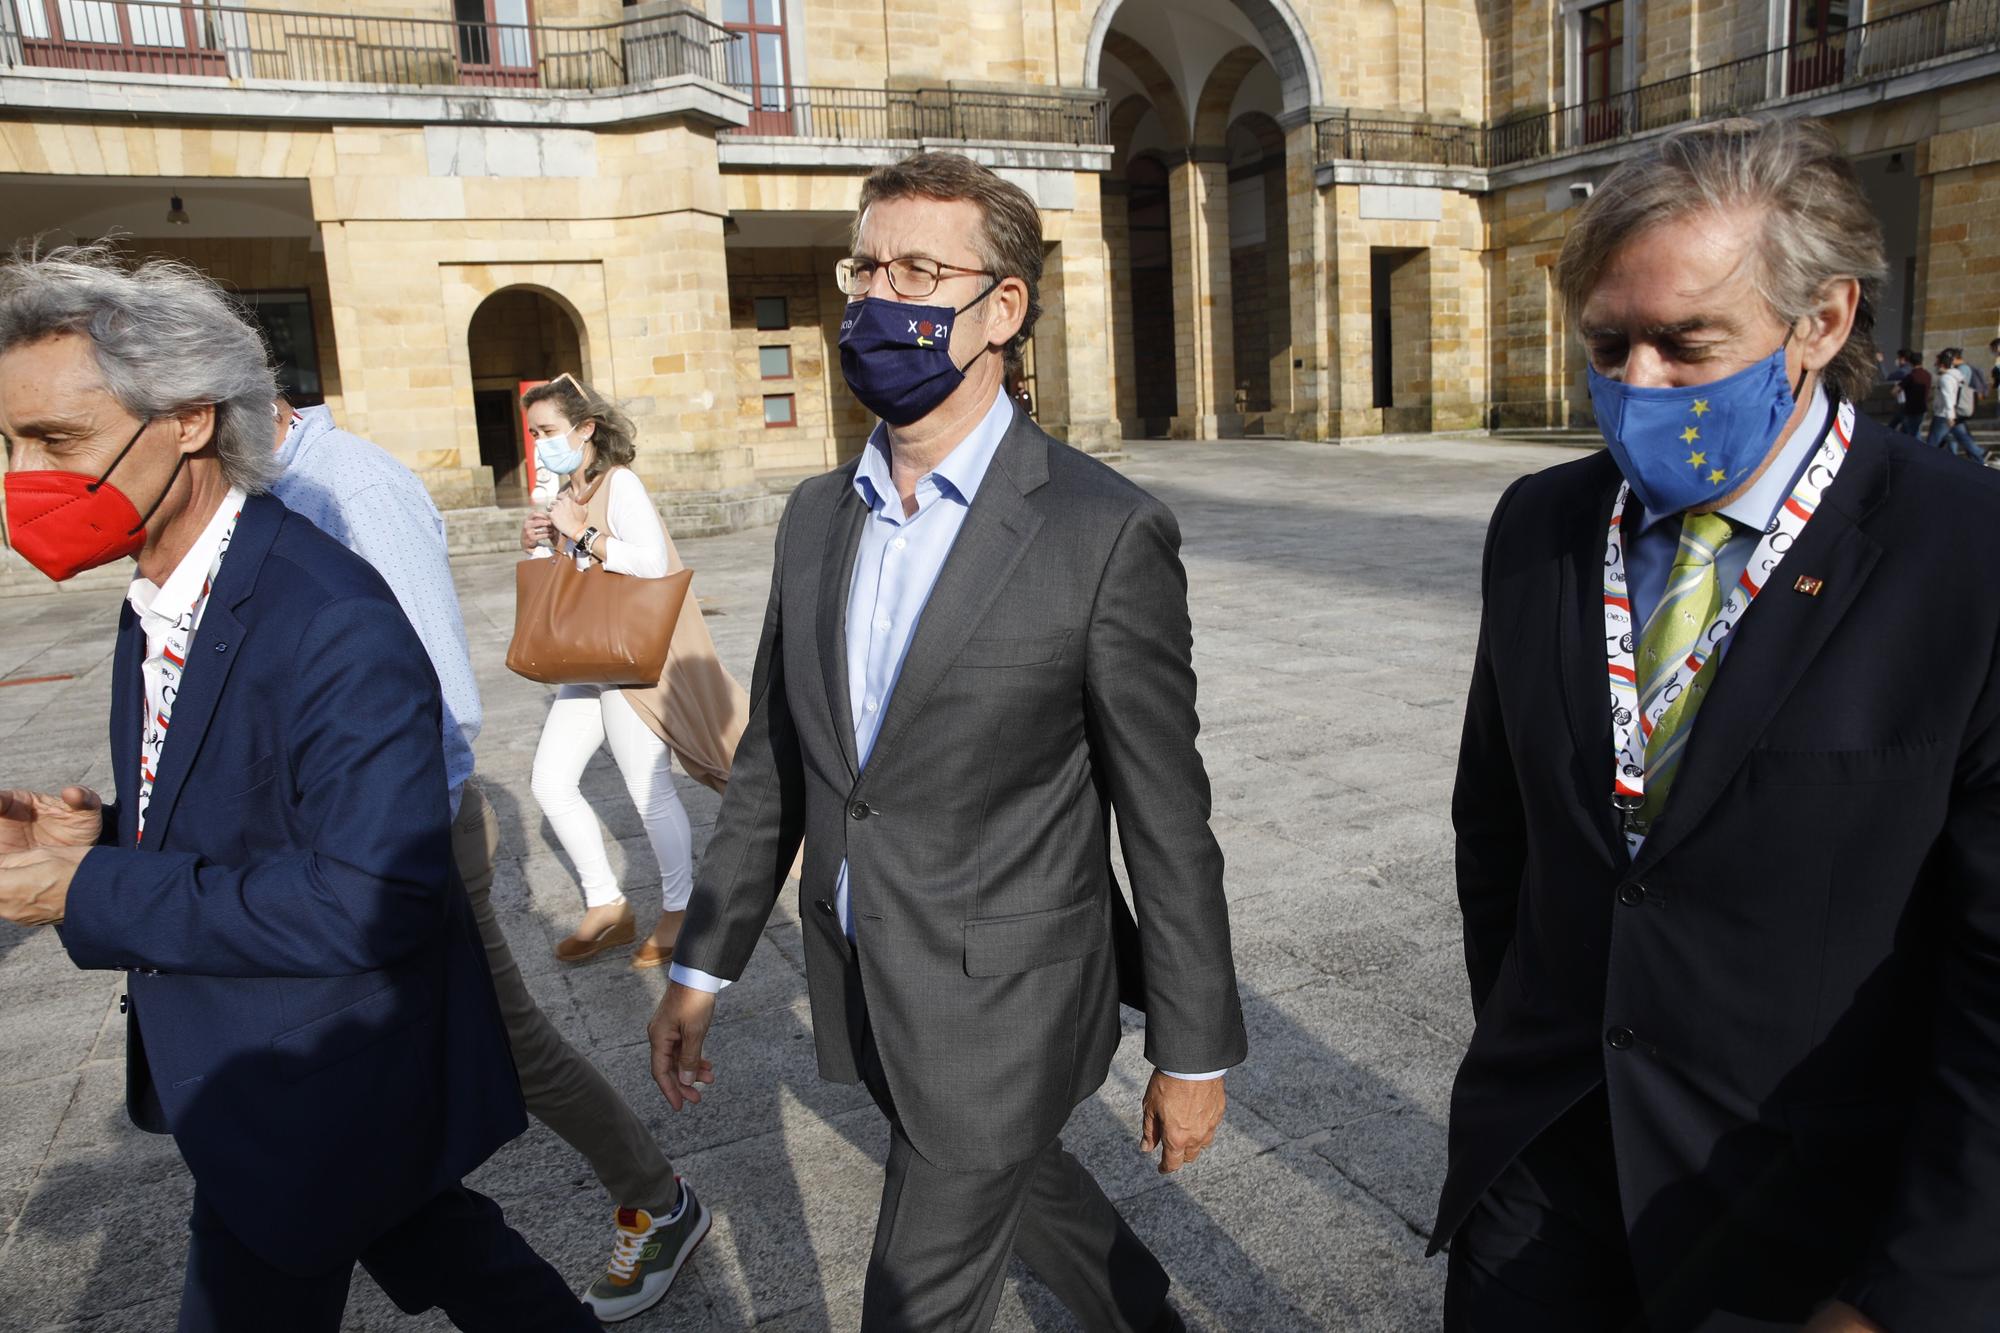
(1048, 683)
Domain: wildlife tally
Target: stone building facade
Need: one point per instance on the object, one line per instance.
(1310, 218)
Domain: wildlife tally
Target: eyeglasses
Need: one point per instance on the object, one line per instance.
(907, 277)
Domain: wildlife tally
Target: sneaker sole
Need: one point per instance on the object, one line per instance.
(687, 1252)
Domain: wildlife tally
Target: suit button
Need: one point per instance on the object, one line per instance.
(1618, 1039)
(1632, 894)
(860, 810)
(825, 907)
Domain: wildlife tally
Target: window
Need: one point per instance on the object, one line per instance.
(774, 363)
(778, 410)
(287, 321)
(760, 60)
(1819, 44)
(165, 38)
(1603, 61)
(773, 313)
(496, 42)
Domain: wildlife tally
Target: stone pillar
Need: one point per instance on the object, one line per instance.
(1072, 343)
(1351, 316)
(1118, 266)
(1315, 388)
(1204, 360)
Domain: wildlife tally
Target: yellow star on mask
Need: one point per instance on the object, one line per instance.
(1700, 407)
(1690, 435)
(1717, 477)
(1697, 459)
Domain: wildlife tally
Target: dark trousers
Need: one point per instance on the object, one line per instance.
(456, 1253)
(1544, 1249)
(943, 1238)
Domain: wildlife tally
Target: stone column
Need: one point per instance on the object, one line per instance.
(1204, 341)
(1315, 388)
(1118, 269)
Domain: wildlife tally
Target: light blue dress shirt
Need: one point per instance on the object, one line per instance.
(1649, 556)
(360, 496)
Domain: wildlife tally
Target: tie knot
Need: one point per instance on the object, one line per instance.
(1702, 535)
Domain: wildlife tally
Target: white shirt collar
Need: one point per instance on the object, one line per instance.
(1756, 507)
(162, 605)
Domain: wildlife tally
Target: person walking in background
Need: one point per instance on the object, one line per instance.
(359, 495)
(1951, 401)
(1731, 907)
(1913, 390)
(308, 1009)
(1993, 349)
(1975, 379)
(604, 514)
(977, 647)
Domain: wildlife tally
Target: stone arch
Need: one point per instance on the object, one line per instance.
(1211, 113)
(1291, 50)
(1153, 77)
(1124, 123)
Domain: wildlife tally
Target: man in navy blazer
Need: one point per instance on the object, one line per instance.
(310, 1013)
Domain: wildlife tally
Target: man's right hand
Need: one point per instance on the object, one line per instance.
(679, 1027)
(32, 819)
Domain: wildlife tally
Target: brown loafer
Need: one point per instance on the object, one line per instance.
(577, 949)
(649, 954)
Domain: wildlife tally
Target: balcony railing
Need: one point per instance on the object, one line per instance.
(1352, 139)
(1859, 55)
(231, 41)
(850, 114)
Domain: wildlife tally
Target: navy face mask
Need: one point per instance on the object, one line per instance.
(896, 356)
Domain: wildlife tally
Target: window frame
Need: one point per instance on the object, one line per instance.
(59, 50)
(791, 401)
(770, 102)
(762, 348)
(756, 319)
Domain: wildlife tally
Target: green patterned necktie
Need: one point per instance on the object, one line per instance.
(1687, 608)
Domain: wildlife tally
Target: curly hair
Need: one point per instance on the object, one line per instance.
(615, 438)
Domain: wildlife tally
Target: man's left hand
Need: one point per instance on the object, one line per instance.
(1841, 1317)
(1180, 1117)
(34, 884)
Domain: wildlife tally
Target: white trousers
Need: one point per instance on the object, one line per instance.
(582, 718)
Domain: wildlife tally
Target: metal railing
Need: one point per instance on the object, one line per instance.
(848, 114)
(1859, 55)
(1376, 139)
(231, 41)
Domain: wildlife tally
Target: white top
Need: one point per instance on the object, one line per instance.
(637, 542)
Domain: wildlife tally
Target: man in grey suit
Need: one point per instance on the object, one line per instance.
(977, 647)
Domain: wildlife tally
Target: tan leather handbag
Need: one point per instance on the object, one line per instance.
(590, 626)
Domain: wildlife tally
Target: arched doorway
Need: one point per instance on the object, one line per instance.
(1152, 291)
(517, 335)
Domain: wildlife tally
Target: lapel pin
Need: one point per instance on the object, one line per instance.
(1809, 585)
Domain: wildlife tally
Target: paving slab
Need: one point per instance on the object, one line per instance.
(1334, 596)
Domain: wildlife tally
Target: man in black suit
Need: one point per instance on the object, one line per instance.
(977, 647)
(1728, 804)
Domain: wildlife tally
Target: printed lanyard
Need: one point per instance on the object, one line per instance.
(1629, 729)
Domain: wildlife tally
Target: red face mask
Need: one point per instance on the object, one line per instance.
(63, 523)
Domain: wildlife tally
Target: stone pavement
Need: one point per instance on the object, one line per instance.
(1335, 599)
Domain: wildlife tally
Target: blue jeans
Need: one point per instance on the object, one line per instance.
(1909, 423)
(1954, 433)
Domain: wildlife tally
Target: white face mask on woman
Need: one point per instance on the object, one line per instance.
(558, 455)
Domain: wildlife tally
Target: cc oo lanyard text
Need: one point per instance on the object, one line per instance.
(1630, 730)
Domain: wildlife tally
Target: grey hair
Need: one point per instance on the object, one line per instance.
(165, 338)
(1816, 225)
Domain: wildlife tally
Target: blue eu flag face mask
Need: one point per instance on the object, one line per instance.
(1685, 447)
(896, 356)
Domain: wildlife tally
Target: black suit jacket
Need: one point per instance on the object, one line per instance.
(1048, 683)
(311, 1014)
(1793, 994)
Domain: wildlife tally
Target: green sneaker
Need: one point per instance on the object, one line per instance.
(645, 1257)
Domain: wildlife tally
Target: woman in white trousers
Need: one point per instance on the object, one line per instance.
(577, 431)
